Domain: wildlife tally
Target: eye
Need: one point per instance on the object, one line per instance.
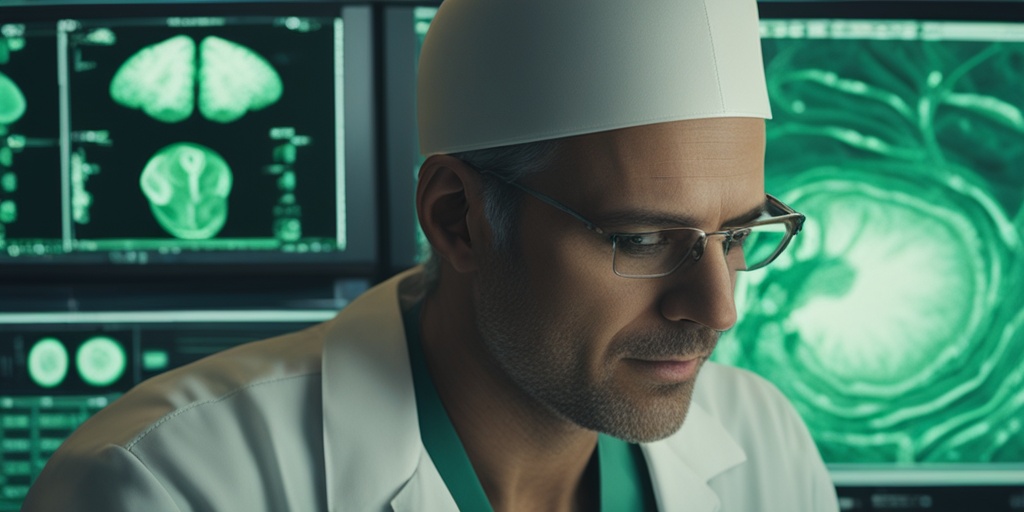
(641, 244)
(739, 236)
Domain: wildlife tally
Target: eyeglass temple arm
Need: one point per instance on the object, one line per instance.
(550, 201)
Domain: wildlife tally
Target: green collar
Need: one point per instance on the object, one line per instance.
(625, 481)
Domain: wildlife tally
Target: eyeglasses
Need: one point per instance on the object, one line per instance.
(653, 254)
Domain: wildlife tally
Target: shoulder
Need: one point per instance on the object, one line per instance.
(209, 387)
(234, 418)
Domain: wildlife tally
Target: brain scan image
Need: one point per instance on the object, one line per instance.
(187, 186)
(895, 321)
(159, 79)
(162, 79)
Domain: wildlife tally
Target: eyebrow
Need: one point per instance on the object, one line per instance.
(642, 217)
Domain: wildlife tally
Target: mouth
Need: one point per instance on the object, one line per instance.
(671, 370)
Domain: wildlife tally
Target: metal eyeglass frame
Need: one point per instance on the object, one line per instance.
(782, 214)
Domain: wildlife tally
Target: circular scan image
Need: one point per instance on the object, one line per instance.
(48, 362)
(187, 186)
(883, 322)
(101, 361)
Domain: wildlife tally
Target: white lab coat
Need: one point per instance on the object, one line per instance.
(325, 419)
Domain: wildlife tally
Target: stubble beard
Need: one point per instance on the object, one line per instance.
(548, 361)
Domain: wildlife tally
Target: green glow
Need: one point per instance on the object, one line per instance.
(16, 44)
(159, 79)
(286, 182)
(8, 212)
(156, 244)
(12, 101)
(102, 36)
(48, 362)
(422, 17)
(101, 361)
(9, 182)
(81, 199)
(895, 322)
(234, 79)
(288, 230)
(187, 186)
(285, 154)
(5, 53)
(155, 360)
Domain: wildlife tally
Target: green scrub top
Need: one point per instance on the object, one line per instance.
(624, 479)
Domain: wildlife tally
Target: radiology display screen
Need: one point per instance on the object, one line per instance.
(178, 139)
(58, 369)
(895, 322)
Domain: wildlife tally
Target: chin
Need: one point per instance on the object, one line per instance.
(654, 415)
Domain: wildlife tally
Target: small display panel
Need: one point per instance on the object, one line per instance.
(58, 369)
(177, 140)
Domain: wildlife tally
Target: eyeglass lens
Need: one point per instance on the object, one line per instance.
(661, 252)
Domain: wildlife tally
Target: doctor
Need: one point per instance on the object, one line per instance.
(594, 186)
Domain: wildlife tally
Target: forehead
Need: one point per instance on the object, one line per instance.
(705, 169)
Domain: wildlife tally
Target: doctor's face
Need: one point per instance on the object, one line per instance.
(608, 353)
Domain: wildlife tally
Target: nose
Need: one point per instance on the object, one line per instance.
(702, 291)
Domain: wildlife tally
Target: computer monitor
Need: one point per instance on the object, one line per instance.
(58, 369)
(186, 136)
(405, 27)
(895, 321)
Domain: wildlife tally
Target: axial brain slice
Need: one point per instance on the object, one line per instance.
(187, 186)
(159, 79)
(233, 80)
(12, 101)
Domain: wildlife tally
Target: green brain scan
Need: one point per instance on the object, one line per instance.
(895, 322)
(101, 361)
(12, 101)
(187, 186)
(233, 80)
(48, 362)
(161, 80)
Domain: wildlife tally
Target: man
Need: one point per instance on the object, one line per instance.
(594, 186)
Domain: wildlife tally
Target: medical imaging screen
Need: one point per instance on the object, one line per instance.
(56, 373)
(30, 152)
(895, 321)
(177, 139)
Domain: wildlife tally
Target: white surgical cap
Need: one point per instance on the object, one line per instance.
(500, 72)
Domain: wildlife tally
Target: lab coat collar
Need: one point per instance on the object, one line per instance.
(372, 446)
(682, 464)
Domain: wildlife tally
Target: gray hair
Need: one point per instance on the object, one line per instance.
(501, 202)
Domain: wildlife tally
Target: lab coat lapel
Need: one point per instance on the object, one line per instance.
(372, 446)
(682, 464)
(425, 491)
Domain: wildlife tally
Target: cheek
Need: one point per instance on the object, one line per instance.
(578, 297)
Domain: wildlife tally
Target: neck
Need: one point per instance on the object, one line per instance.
(525, 456)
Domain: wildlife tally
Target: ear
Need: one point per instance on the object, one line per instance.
(447, 195)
